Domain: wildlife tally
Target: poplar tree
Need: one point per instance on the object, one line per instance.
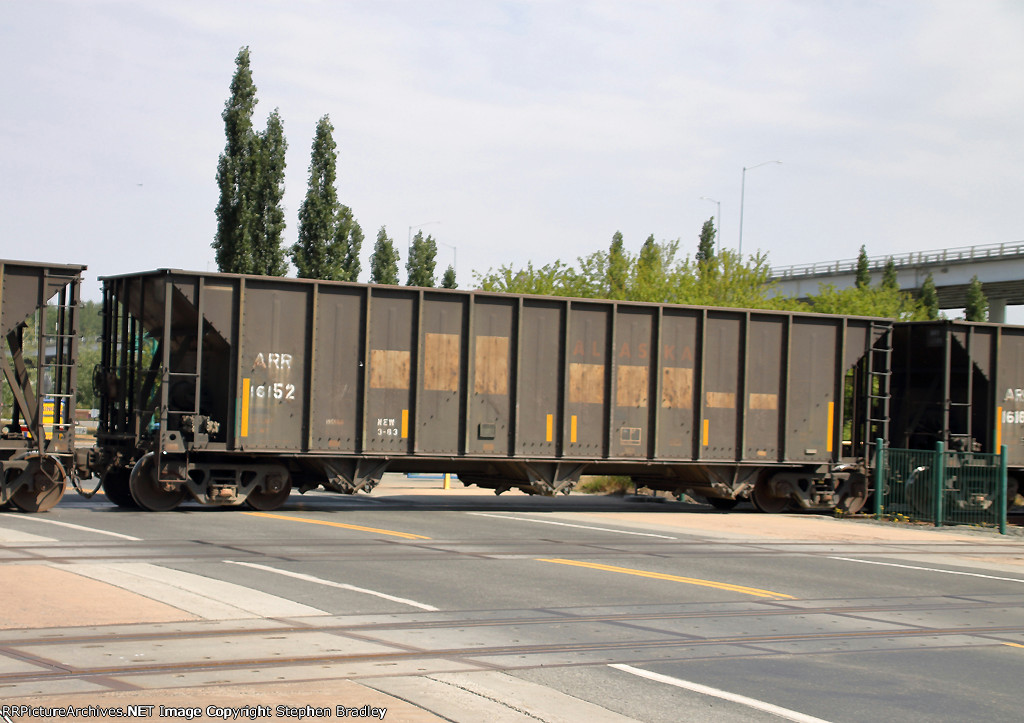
(233, 243)
(977, 303)
(863, 278)
(348, 240)
(618, 268)
(422, 261)
(890, 277)
(384, 262)
(250, 176)
(706, 247)
(930, 298)
(708, 267)
(650, 279)
(329, 236)
(268, 256)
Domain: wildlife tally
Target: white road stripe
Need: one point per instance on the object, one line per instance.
(80, 527)
(927, 569)
(723, 694)
(339, 585)
(205, 597)
(569, 524)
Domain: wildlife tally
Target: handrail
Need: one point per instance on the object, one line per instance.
(914, 258)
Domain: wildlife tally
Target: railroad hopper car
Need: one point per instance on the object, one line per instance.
(39, 306)
(962, 384)
(232, 389)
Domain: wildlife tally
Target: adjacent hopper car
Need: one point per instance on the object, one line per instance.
(38, 318)
(961, 384)
(230, 389)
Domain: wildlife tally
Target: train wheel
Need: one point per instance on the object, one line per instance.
(721, 503)
(765, 500)
(855, 495)
(267, 501)
(47, 486)
(116, 487)
(5, 497)
(1012, 490)
(852, 504)
(149, 493)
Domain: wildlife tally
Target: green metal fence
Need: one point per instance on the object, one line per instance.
(941, 487)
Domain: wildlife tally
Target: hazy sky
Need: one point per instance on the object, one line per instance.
(529, 130)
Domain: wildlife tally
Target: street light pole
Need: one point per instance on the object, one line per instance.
(718, 218)
(743, 186)
(455, 256)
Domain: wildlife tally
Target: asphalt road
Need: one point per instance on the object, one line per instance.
(475, 607)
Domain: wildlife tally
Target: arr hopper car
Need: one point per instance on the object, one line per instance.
(231, 389)
(962, 384)
(39, 321)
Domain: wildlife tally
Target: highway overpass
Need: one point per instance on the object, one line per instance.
(999, 267)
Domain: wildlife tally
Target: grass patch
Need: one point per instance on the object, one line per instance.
(606, 485)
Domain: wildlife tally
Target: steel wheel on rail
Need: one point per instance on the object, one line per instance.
(149, 492)
(855, 496)
(48, 482)
(116, 487)
(851, 504)
(266, 501)
(764, 498)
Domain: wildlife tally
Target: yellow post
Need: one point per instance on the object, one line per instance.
(447, 481)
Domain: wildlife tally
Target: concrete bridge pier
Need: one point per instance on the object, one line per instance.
(997, 310)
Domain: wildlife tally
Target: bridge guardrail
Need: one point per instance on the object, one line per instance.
(914, 258)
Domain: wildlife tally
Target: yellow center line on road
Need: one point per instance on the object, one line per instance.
(1014, 645)
(675, 578)
(359, 528)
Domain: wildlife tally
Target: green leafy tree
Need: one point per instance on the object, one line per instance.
(878, 301)
(727, 280)
(890, 277)
(325, 227)
(384, 262)
(448, 282)
(422, 261)
(348, 242)
(90, 330)
(591, 280)
(551, 279)
(250, 176)
(655, 276)
(707, 266)
(706, 247)
(977, 303)
(268, 256)
(651, 277)
(863, 279)
(930, 298)
(724, 279)
(236, 171)
(618, 268)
